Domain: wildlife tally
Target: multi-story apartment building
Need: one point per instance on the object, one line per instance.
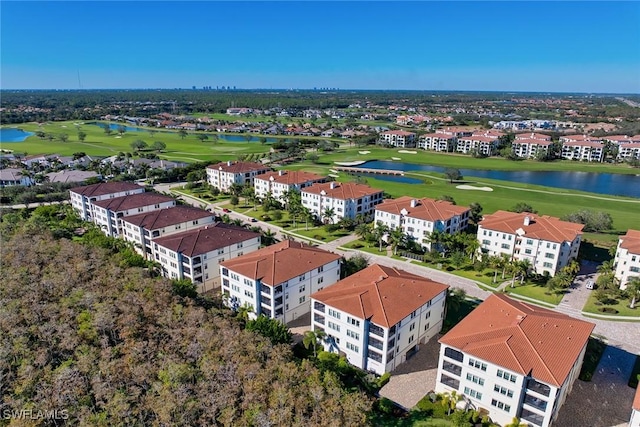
(277, 281)
(629, 151)
(142, 229)
(418, 218)
(627, 259)
(437, 142)
(529, 148)
(108, 213)
(280, 182)
(485, 145)
(399, 138)
(585, 151)
(196, 254)
(513, 359)
(547, 242)
(344, 199)
(82, 198)
(379, 316)
(223, 175)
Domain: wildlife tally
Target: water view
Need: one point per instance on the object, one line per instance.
(603, 183)
(13, 135)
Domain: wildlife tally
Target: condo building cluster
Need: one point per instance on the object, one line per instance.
(507, 358)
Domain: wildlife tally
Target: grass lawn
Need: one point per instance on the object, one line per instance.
(456, 313)
(485, 277)
(534, 291)
(412, 419)
(368, 247)
(592, 356)
(621, 306)
(320, 233)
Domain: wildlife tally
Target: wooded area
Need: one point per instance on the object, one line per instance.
(81, 331)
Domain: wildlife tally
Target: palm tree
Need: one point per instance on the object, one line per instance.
(268, 237)
(363, 231)
(328, 214)
(572, 268)
(313, 339)
(380, 230)
(450, 401)
(246, 193)
(472, 246)
(524, 267)
(308, 216)
(397, 238)
(495, 262)
(606, 267)
(506, 263)
(633, 289)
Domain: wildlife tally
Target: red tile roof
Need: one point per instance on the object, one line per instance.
(132, 201)
(104, 188)
(540, 227)
(522, 338)
(291, 177)
(427, 209)
(166, 217)
(398, 132)
(239, 167)
(583, 144)
(479, 138)
(531, 141)
(206, 239)
(537, 136)
(280, 262)
(342, 190)
(631, 241)
(636, 400)
(382, 294)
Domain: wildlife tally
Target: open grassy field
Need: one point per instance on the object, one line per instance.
(98, 143)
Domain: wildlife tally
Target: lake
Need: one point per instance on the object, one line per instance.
(14, 135)
(603, 183)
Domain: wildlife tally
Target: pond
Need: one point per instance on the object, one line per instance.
(603, 183)
(14, 135)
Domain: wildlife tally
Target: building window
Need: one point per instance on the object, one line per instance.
(352, 334)
(333, 326)
(549, 255)
(470, 392)
(321, 269)
(302, 288)
(354, 322)
(475, 379)
(353, 347)
(500, 405)
(477, 364)
(547, 265)
(320, 280)
(412, 327)
(502, 390)
(302, 299)
(506, 375)
(334, 313)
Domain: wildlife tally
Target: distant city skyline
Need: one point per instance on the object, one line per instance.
(586, 47)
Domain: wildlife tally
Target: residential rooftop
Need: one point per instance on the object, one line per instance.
(381, 294)
(290, 177)
(631, 241)
(166, 217)
(342, 190)
(206, 239)
(238, 167)
(132, 201)
(522, 338)
(427, 209)
(103, 188)
(540, 227)
(278, 263)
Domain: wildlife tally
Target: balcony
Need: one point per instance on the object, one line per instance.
(531, 417)
(277, 290)
(265, 289)
(375, 343)
(539, 388)
(197, 270)
(265, 300)
(376, 330)
(449, 382)
(186, 270)
(318, 306)
(452, 368)
(278, 301)
(318, 318)
(535, 402)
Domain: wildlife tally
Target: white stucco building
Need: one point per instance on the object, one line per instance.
(82, 198)
(399, 138)
(347, 199)
(530, 148)
(547, 242)
(635, 410)
(627, 259)
(418, 218)
(379, 316)
(142, 228)
(108, 213)
(513, 359)
(196, 254)
(223, 175)
(437, 142)
(277, 281)
(279, 182)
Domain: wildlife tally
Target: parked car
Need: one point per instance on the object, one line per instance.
(253, 220)
(225, 210)
(589, 284)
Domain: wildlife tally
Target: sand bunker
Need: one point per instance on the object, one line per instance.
(407, 152)
(396, 158)
(118, 137)
(333, 171)
(471, 187)
(356, 163)
(364, 152)
(333, 175)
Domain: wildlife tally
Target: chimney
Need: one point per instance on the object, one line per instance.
(280, 172)
(332, 185)
(527, 220)
(414, 203)
(228, 162)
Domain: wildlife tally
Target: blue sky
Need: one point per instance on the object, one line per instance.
(510, 46)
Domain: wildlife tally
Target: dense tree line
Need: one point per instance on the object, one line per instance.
(81, 331)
